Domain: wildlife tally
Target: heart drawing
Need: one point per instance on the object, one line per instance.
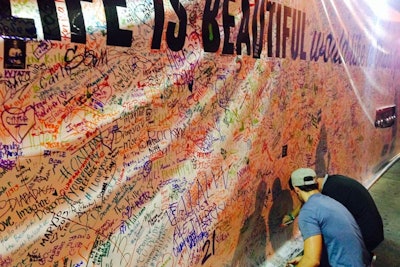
(18, 122)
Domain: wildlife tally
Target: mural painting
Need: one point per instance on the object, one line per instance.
(163, 133)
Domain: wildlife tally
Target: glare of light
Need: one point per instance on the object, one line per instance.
(382, 10)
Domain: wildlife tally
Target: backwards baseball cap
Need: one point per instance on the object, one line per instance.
(303, 176)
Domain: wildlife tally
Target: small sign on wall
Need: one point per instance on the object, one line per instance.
(14, 54)
(385, 117)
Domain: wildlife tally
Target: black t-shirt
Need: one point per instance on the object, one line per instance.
(356, 198)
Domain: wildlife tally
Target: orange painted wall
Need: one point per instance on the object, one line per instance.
(163, 133)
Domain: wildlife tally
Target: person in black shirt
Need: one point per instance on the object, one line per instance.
(356, 198)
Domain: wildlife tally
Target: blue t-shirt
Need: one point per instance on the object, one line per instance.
(322, 215)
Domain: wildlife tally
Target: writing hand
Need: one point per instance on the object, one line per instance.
(286, 220)
(294, 261)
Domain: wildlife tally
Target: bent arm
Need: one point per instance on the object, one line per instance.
(312, 251)
(287, 219)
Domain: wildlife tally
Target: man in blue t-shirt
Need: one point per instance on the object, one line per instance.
(329, 230)
(357, 199)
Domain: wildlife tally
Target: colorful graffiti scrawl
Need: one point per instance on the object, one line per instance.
(163, 133)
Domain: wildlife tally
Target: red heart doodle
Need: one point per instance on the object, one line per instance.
(18, 122)
(101, 96)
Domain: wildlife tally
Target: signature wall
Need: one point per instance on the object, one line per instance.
(163, 133)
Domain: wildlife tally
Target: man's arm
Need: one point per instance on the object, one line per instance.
(312, 252)
(288, 219)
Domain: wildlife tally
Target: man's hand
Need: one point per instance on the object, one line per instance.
(294, 261)
(286, 220)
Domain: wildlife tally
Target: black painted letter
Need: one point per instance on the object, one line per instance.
(15, 27)
(116, 36)
(159, 18)
(177, 43)
(76, 21)
(243, 35)
(258, 37)
(49, 18)
(210, 31)
(228, 22)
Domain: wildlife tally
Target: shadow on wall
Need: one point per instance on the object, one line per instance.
(282, 204)
(250, 250)
(322, 149)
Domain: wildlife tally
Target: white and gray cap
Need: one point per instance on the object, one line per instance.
(303, 176)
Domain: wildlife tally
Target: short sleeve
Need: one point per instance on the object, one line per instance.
(308, 223)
